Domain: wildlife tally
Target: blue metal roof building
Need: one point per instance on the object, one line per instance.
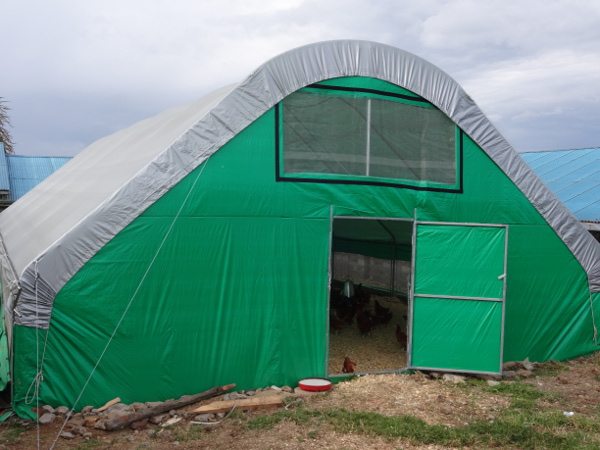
(574, 176)
(20, 174)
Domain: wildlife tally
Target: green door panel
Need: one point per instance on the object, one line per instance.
(458, 297)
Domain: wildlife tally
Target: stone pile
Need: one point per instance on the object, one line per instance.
(89, 418)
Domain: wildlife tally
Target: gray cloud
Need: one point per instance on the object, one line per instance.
(77, 71)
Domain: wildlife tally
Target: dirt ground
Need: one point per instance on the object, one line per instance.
(435, 401)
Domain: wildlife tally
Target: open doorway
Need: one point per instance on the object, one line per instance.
(369, 288)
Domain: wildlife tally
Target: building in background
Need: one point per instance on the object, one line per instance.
(19, 174)
(574, 176)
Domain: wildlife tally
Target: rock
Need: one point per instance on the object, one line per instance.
(435, 375)
(48, 409)
(446, 410)
(120, 407)
(87, 409)
(172, 413)
(78, 430)
(100, 425)
(153, 404)
(61, 411)
(137, 406)
(493, 383)
(527, 365)
(116, 415)
(90, 421)
(139, 425)
(87, 435)
(67, 435)
(275, 388)
(456, 379)
(509, 374)
(46, 418)
(157, 420)
(287, 389)
(204, 417)
(250, 393)
(77, 421)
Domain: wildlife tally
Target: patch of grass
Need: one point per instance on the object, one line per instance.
(299, 416)
(90, 443)
(370, 423)
(192, 433)
(518, 429)
(550, 368)
(523, 428)
(313, 434)
(523, 395)
(474, 382)
(238, 414)
(12, 432)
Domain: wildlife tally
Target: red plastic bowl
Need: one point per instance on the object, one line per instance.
(315, 384)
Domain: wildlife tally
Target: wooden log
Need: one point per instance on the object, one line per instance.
(273, 401)
(122, 422)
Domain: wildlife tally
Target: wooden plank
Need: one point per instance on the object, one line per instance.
(273, 401)
(109, 404)
(127, 420)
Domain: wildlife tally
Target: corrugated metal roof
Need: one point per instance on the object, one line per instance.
(574, 176)
(26, 172)
(4, 182)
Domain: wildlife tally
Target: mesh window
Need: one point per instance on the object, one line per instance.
(411, 142)
(324, 134)
(358, 136)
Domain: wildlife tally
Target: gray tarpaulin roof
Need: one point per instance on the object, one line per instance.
(115, 179)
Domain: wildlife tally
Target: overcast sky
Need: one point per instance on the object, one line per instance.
(74, 71)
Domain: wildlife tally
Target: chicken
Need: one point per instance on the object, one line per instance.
(364, 321)
(401, 336)
(347, 312)
(383, 315)
(361, 294)
(335, 297)
(349, 365)
(335, 322)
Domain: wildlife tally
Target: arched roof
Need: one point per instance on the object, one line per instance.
(115, 179)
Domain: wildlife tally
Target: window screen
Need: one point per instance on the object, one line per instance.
(360, 137)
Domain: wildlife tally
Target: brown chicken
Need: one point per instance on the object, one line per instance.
(335, 322)
(364, 321)
(349, 365)
(361, 294)
(401, 336)
(383, 315)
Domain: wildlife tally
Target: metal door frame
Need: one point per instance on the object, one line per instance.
(333, 217)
